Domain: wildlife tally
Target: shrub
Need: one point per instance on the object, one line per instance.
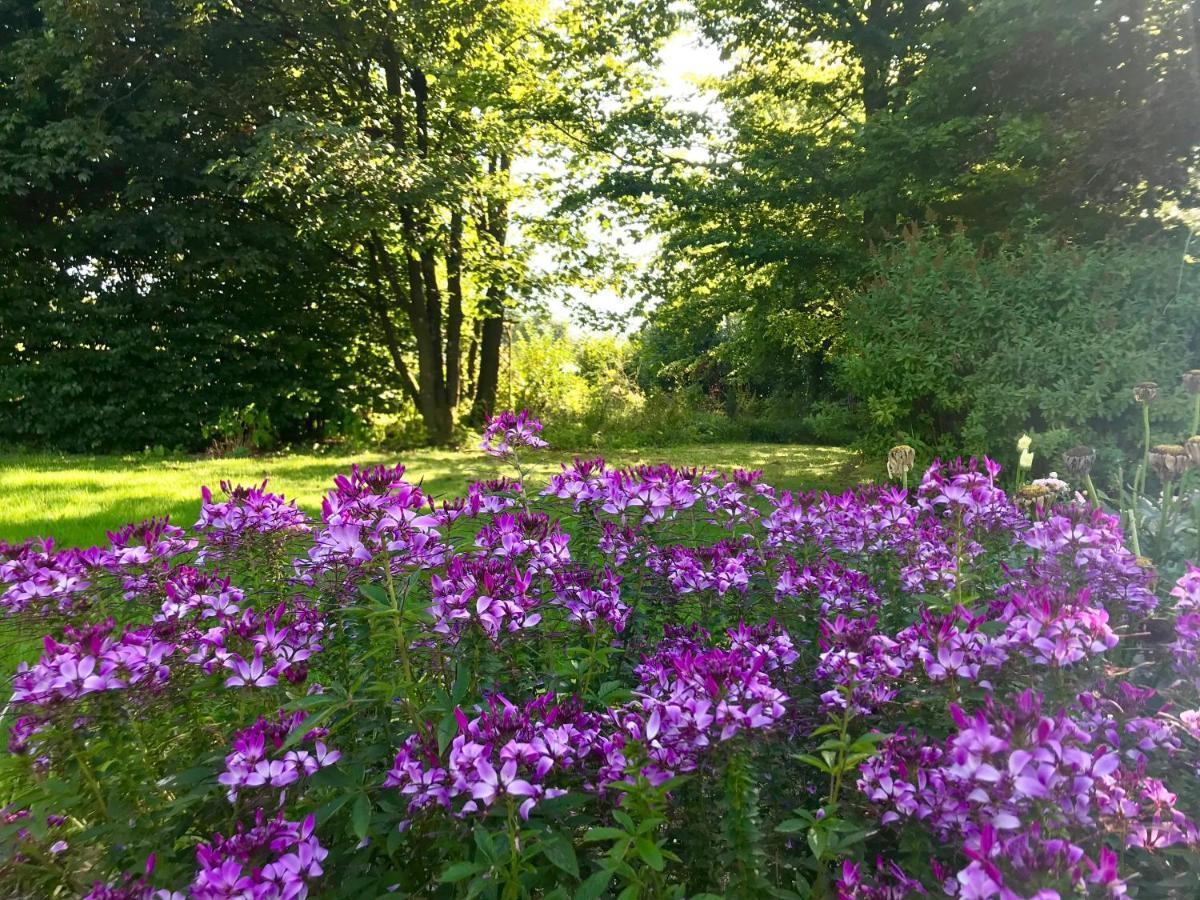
(651, 682)
(955, 348)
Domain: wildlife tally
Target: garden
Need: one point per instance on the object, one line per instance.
(644, 681)
(599, 449)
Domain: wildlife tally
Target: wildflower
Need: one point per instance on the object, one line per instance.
(230, 866)
(249, 674)
(1191, 381)
(506, 431)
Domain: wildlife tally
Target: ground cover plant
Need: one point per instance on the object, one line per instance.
(648, 681)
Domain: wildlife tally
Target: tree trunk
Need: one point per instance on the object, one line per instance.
(454, 310)
(491, 338)
(492, 330)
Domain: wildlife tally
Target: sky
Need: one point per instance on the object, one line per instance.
(685, 60)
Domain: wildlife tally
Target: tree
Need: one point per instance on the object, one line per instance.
(397, 149)
(305, 188)
(847, 119)
(131, 275)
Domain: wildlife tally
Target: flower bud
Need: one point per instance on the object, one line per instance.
(900, 460)
(1145, 393)
(1079, 460)
(1024, 442)
(1191, 381)
(1026, 460)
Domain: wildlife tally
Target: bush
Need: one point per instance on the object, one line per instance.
(953, 348)
(645, 683)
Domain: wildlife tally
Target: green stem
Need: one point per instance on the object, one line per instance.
(959, 574)
(1196, 416)
(1133, 529)
(90, 777)
(835, 779)
(401, 641)
(1140, 484)
(512, 887)
(587, 676)
(1091, 490)
(1164, 520)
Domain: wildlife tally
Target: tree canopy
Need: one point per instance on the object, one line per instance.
(304, 211)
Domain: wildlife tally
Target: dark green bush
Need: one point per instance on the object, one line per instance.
(958, 348)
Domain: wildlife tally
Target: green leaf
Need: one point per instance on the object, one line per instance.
(604, 833)
(816, 843)
(594, 885)
(375, 593)
(650, 853)
(559, 851)
(460, 870)
(483, 842)
(812, 761)
(360, 816)
(791, 826)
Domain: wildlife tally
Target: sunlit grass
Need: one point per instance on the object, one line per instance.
(75, 499)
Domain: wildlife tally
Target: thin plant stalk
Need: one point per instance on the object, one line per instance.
(1164, 519)
(1140, 482)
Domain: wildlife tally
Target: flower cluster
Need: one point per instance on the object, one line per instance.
(1007, 766)
(692, 696)
(506, 431)
(506, 753)
(246, 513)
(36, 577)
(274, 859)
(256, 760)
(92, 661)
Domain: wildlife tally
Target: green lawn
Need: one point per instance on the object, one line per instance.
(75, 499)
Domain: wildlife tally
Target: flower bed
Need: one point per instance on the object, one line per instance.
(648, 682)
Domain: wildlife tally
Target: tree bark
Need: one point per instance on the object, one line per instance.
(491, 333)
(454, 310)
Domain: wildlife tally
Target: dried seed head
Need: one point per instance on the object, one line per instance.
(1145, 392)
(1192, 445)
(1031, 494)
(900, 460)
(1191, 381)
(1079, 460)
(1169, 461)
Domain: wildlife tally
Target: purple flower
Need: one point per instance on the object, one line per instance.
(506, 431)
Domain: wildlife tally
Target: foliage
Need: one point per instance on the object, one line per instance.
(132, 275)
(548, 692)
(845, 121)
(952, 345)
(304, 208)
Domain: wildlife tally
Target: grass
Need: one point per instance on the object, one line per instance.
(75, 499)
